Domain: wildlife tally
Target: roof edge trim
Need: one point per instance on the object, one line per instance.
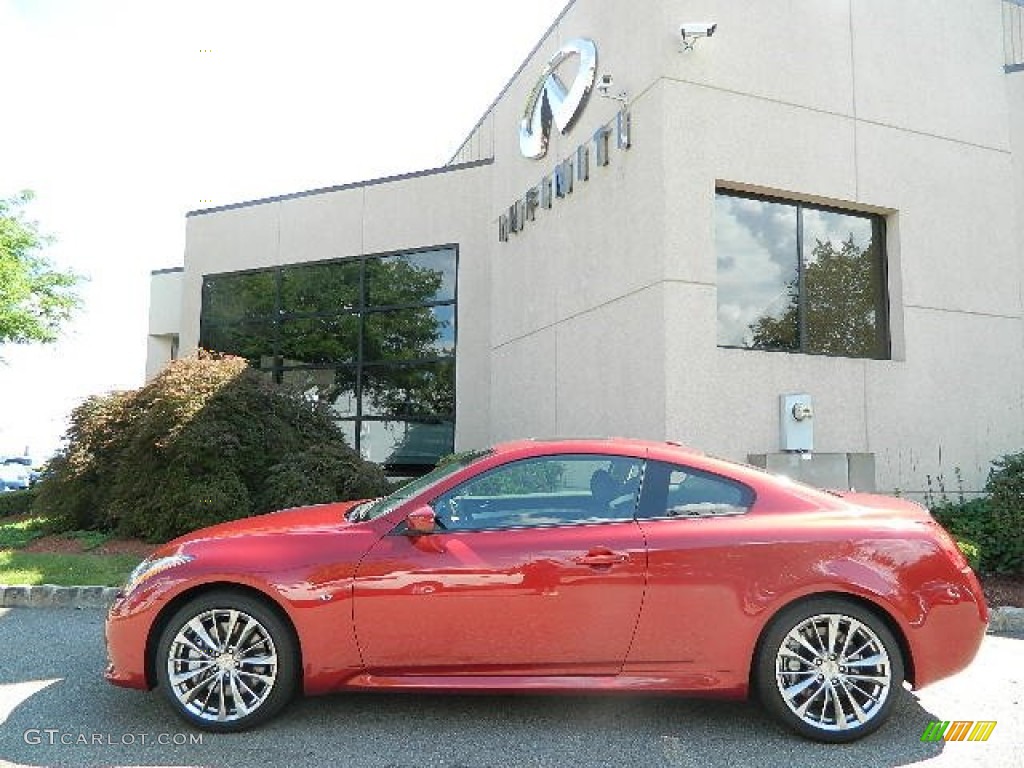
(341, 187)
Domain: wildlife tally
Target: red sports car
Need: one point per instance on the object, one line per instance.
(584, 565)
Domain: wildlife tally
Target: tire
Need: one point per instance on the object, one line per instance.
(226, 662)
(829, 669)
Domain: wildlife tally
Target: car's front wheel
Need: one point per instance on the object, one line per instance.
(226, 662)
(829, 669)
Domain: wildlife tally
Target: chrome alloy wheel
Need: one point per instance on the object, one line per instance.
(833, 672)
(222, 665)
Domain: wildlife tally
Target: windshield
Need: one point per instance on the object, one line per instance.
(371, 510)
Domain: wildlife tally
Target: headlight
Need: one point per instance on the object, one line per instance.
(148, 568)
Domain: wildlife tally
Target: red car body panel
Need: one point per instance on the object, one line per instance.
(648, 604)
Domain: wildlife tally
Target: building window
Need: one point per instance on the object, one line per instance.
(371, 337)
(796, 277)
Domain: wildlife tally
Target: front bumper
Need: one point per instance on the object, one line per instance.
(127, 633)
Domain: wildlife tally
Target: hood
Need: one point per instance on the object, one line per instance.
(319, 518)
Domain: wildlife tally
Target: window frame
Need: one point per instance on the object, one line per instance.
(883, 302)
(273, 322)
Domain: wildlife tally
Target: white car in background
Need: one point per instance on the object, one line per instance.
(16, 473)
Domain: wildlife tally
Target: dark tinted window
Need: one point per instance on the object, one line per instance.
(410, 278)
(372, 337)
(677, 491)
(320, 288)
(800, 278)
(249, 296)
(548, 490)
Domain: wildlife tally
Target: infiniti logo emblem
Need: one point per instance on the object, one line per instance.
(550, 101)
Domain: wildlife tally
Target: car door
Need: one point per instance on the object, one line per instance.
(539, 569)
(694, 625)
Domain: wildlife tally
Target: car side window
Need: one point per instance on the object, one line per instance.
(546, 490)
(672, 490)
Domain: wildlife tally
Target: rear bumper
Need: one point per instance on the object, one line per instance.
(951, 634)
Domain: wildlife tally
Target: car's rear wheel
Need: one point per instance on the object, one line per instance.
(226, 662)
(829, 669)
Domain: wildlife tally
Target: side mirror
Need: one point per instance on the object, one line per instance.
(422, 520)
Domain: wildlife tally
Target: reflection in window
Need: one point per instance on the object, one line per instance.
(409, 390)
(410, 334)
(757, 265)
(373, 338)
(402, 444)
(253, 341)
(244, 296)
(319, 340)
(410, 278)
(319, 288)
(335, 388)
(800, 278)
(548, 490)
(676, 491)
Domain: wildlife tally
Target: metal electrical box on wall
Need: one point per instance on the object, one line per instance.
(796, 423)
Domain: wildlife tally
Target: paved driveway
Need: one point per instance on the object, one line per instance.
(55, 709)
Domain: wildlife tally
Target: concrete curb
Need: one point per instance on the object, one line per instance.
(1006, 619)
(1003, 619)
(51, 596)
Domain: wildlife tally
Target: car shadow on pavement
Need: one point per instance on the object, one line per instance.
(60, 711)
(385, 729)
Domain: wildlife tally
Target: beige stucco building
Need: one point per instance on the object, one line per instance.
(823, 198)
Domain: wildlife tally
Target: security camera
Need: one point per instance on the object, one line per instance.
(698, 29)
(604, 88)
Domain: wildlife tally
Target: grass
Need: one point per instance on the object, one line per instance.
(64, 569)
(89, 539)
(15, 535)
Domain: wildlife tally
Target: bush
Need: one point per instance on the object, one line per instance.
(971, 551)
(993, 525)
(1006, 500)
(17, 502)
(321, 473)
(208, 440)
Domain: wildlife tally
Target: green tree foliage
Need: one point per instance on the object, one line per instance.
(841, 295)
(35, 299)
(1006, 489)
(308, 314)
(994, 524)
(522, 477)
(208, 440)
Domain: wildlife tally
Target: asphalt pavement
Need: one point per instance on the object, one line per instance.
(55, 709)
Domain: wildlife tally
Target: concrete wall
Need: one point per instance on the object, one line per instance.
(165, 295)
(915, 127)
(421, 210)
(578, 331)
(604, 309)
(600, 317)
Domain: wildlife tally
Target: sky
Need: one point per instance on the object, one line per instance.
(123, 115)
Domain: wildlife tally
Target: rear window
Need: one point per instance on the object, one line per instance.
(672, 490)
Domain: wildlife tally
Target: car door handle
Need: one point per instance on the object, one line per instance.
(601, 558)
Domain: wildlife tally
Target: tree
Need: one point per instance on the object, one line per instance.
(35, 298)
(841, 288)
(207, 440)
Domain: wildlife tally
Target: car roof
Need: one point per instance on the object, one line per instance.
(625, 445)
(667, 451)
